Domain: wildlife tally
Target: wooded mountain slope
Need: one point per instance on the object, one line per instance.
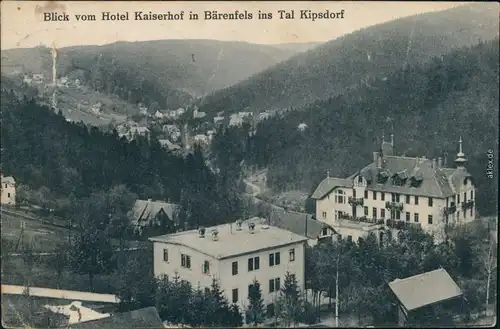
(65, 160)
(357, 58)
(430, 107)
(169, 72)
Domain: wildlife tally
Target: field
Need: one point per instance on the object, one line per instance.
(44, 238)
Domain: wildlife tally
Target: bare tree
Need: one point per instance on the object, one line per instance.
(490, 266)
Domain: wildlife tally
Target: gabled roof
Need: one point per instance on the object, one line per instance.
(425, 289)
(8, 180)
(142, 318)
(435, 182)
(145, 210)
(328, 184)
(298, 223)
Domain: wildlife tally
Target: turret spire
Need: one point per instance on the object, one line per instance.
(461, 159)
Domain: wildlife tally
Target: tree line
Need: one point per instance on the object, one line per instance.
(54, 162)
(428, 106)
(366, 268)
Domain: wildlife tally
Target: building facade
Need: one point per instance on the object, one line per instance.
(234, 254)
(8, 190)
(398, 192)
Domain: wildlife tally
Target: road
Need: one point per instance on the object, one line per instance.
(62, 294)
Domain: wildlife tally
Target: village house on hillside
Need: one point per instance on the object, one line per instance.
(431, 295)
(134, 132)
(396, 192)
(173, 132)
(8, 190)
(301, 224)
(165, 143)
(246, 251)
(150, 216)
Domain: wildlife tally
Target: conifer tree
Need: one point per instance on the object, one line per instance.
(254, 314)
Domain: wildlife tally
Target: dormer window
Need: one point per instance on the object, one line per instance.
(465, 181)
(360, 180)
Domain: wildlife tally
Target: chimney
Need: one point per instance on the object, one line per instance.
(440, 162)
(434, 164)
(215, 235)
(201, 232)
(251, 228)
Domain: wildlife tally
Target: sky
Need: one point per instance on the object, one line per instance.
(23, 24)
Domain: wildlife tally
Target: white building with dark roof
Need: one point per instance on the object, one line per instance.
(398, 191)
(150, 214)
(8, 190)
(234, 254)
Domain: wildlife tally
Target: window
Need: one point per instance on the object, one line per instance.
(407, 199)
(349, 238)
(465, 196)
(206, 267)
(407, 216)
(324, 214)
(253, 264)
(185, 261)
(397, 197)
(270, 310)
(271, 285)
(416, 200)
(366, 194)
(472, 194)
(365, 211)
(429, 219)
(235, 295)
(374, 195)
(415, 218)
(382, 213)
(165, 255)
(8, 195)
(360, 180)
(458, 198)
(393, 197)
(235, 268)
(324, 232)
(291, 254)
(274, 259)
(339, 196)
(383, 196)
(353, 192)
(398, 214)
(430, 202)
(374, 210)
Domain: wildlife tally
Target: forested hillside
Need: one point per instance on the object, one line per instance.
(358, 58)
(62, 162)
(430, 107)
(168, 72)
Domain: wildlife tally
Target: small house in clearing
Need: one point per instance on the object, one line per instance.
(430, 298)
(8, 190)
(152, 217)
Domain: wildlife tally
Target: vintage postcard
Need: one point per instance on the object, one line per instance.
(249, 164)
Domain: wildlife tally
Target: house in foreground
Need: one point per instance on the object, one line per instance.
(398, 192)
(8, 190)
(150, 216)
(431, 297)
(301, 224)
(234, 254)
